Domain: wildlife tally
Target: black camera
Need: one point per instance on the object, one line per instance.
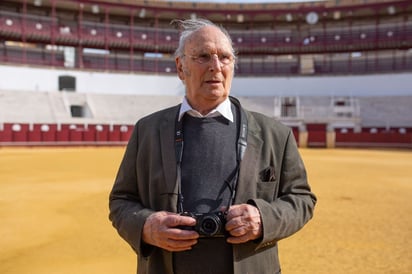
(207, 224)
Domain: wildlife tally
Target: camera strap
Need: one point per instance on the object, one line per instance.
(241, 148)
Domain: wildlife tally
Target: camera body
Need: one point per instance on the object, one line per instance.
(207, 224)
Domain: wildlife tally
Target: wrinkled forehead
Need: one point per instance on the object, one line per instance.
(208, 39)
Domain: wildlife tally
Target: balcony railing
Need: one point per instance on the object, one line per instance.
(384, 47)
(321, 39)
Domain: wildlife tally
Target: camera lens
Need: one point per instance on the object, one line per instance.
(210, 225)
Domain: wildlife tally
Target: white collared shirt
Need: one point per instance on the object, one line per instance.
(223, 109)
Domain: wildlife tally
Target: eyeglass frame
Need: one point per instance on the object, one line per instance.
(209, 58)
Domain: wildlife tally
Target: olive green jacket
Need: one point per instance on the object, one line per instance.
(272, 177)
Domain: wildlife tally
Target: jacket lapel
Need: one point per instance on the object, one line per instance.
(167, 150)
(246, 184)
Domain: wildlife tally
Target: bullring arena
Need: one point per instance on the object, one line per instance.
(54, 208)
(75, 76)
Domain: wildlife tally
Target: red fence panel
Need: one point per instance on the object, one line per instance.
(89, 134)
(63, 133)
(316, 135)
(375, 137)
(295, 131)
(102, 133)
(20, 132)
(6, 133)
(34, 134)
(125, 132)
(48, 132)
(76, 133)
(114, 133)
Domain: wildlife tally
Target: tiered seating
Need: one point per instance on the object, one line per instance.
(45, 118)
(128, 108)
(54, 107)
(25, 106)
(392, 111)
(260, 35)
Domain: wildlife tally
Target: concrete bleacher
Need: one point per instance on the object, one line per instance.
(27, 107)
(265, 105)
(46, 118)
(315, 107)
(54, 107)
(39, 118)
(391, 111)
(128, 108)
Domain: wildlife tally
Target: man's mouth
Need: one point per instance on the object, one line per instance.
(213, 82)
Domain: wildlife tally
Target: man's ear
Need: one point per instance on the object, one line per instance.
(180, 69)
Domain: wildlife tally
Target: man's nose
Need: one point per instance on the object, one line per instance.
(215, 63)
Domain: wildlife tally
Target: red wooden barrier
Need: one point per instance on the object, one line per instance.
(77, 134)
(89, 133)
(316, 135)
(48, 132)
(374, 137)
(62, 133)
(102, 133)
(20, 132)
(6, 133)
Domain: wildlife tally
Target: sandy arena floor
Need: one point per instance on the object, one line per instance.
(53, 212)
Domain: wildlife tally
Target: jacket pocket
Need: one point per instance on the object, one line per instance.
(265, 187)
(267, 174)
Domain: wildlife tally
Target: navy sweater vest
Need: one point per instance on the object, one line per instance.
(209, 159)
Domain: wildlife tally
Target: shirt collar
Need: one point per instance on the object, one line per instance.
(223, 109)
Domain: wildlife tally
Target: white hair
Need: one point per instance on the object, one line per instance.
(190, 26)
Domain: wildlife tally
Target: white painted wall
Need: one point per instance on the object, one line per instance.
(36, 79)
(367, 85)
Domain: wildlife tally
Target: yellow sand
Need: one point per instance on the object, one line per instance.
(53, 213)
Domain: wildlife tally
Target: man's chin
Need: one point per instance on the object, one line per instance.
(216, 94)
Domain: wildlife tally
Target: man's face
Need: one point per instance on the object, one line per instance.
(207, 81)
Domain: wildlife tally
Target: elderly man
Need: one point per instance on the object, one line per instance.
(206, 186)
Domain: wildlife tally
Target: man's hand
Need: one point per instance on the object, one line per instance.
(161, 230)
(243, 223)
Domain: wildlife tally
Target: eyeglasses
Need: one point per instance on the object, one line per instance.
(204, 58)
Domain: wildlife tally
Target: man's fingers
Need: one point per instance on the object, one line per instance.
(239, 239)
(178, 220)
(243, 223)
(162, 229)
